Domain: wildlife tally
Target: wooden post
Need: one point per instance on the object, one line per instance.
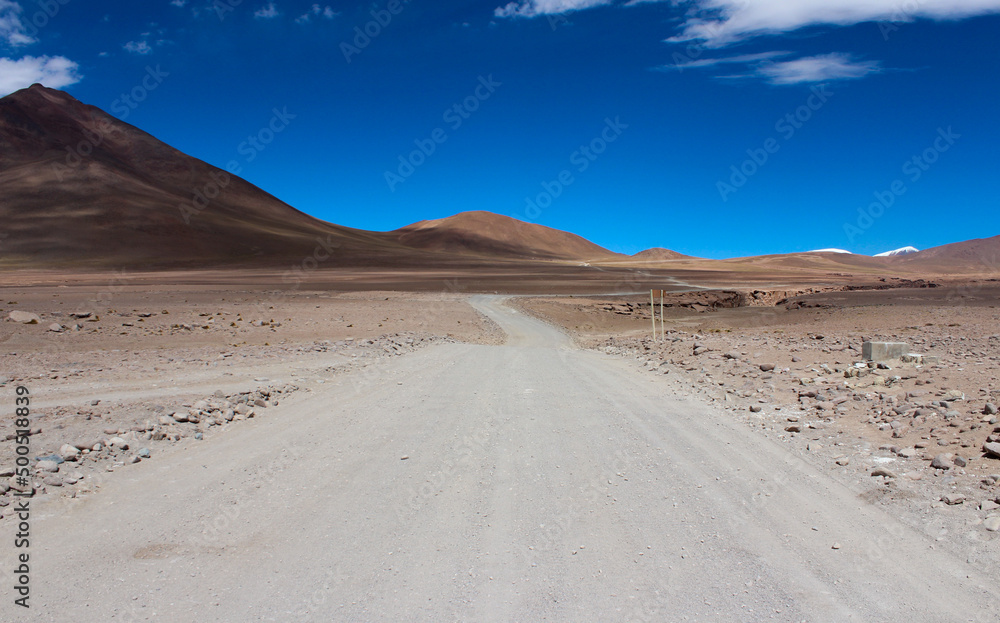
(663, 335)
(652, 313)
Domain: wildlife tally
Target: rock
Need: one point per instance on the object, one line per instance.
(69, 453)
(953, 395)
(180, 416)
(53, 481)
(732, 355)
(882, 471)
(199, 436)
(15, 483)
(794, 428)
(992, 523)
(24, 317)
(166, 420)
(843, 461)
(755, 408)
(118, 443)
(52, 457)
(143, 453)
(835, 546)
(988, 505)
(766, 367)
(47, 466)
(942, 461)
(907, 453)
(951, 499)
(992, 449)
(960, 462)
(990, 409)
(134, 459)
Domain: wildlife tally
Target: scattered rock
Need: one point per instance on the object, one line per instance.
(69, 453)
(942, 461)
(143, 453)
(990, 409)
(882, 471)
(55, 327)
(843, 461)
(755, 408)
(47, 466)
(24, 317)
(951, 499)
(992, 523)
(992, 449)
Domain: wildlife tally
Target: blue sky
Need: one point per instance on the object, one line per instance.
(718, 128)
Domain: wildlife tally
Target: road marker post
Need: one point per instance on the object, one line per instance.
(652, 313)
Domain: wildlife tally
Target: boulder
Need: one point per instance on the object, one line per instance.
(24, 317)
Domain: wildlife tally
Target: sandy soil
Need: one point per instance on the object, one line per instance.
(527, 481)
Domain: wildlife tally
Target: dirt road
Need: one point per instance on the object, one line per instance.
(525, 482)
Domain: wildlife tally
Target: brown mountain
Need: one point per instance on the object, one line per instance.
(485, 233)
(981, 255)
(659, 254)
(81, 187)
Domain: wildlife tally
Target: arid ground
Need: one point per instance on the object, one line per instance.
(444, 455)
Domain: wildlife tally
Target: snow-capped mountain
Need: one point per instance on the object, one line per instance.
(902, 251)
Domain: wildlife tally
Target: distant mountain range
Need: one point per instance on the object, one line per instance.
(893, 253)
(82, 189)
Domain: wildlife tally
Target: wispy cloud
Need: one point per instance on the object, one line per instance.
(266, 12)
(742, 59)
(821, 68)
(178, 3)
(52, 71)
(12, 29)
(317, 11)
(138, 47)
(719, 23)
(534, 8)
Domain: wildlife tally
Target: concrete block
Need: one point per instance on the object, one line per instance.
(883, 351)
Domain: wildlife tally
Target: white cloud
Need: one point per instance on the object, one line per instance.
(316, 10)
(52, 71)
(533, 8)
(138, 47)
(723, 22)
(725, 60)
(821, 68)
(178, 3)
(12, 28)
(268, 12)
